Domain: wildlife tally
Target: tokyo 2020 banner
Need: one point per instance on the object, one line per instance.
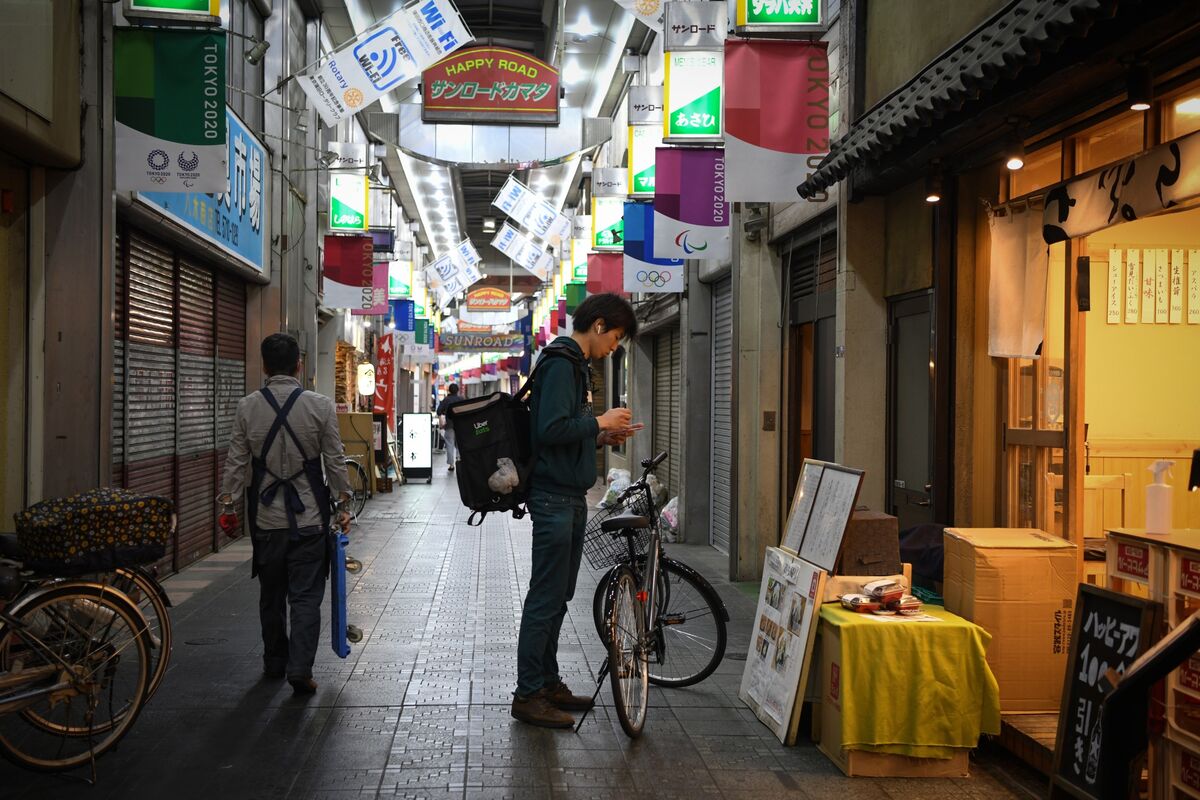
(691, 216)
(642, 271)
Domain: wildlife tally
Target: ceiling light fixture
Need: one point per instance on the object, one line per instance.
(1014, 150)
(933, 183)
(489, 224)
(1140, 86)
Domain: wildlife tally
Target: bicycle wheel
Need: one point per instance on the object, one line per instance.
(360, 487)
(87, 654)
(145, 592)
(691, 634)
(627, 667)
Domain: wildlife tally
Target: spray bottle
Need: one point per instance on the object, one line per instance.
(1158, 498)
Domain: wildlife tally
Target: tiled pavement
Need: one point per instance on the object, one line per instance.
(420, 708)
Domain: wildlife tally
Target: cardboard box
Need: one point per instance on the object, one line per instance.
(871, 545)
(827, 728)
(1019, 585)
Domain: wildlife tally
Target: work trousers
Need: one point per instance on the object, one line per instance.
(291, 573)
(448, 437)
(558, 525)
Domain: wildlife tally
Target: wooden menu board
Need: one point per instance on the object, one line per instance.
(1111, 630)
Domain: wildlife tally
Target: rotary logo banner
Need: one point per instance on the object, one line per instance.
(382, 57)
(770, 143)
(169, 109)
(642, 271)
(691, 216)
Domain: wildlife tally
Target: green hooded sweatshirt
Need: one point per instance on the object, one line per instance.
(563, 426)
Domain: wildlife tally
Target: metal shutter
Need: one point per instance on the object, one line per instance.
(231, 365)
(196, 439)
(665, 423)
(721, 490)
(151, 378)
(599, 406)
(812, 280)
(118, 377)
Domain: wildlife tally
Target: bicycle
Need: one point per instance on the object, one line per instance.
(662, 622)
(360, 486)
(61, 642)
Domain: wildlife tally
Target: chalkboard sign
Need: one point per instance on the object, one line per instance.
(1111, 630)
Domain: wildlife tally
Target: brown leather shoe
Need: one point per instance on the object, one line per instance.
(303, 685)
(534, 709)
(560, 697)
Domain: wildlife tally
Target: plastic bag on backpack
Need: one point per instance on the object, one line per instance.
(617, 474)
(614, 492)
(506, 478)
(668, 521)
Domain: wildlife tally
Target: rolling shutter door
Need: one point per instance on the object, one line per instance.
(231, 365)
(150, 388)
(666, 407)
(722, 415)
(118, 377)
(195, 445)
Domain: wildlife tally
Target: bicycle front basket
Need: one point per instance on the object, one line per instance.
(95, 531)
(604, 550)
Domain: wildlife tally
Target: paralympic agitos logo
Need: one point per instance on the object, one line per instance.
(682, 241)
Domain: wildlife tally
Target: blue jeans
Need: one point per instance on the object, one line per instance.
(558, 525)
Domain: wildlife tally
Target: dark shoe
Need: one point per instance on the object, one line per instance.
(272, 674)
(534, 709)
(560, 697)
(303, 685)
(450, 469)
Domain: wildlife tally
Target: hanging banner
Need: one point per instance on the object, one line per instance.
(645, 105)
(690, 25)
(531, 212)
(642, 271)
(382, 57)
(385, 377)
(579, 256)
(606, 273)
(349, 155)
(768, 143)
(649, 12)
(608, 223)
(169, 109)
(203, 12)
(482, 342)
(609, 182)
(693, 96)
(489, 85)
(691, 216)
(404, 315)
(489, 298)
(348, 272)
(523, 251)
(379, 294)
(348, 201)
(1160, 179)
(787, 16)
(400, 275)
(233, 221)
(643, 141)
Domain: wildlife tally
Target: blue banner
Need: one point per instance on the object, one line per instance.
(234, 221)
(404, 314)
(639, 236)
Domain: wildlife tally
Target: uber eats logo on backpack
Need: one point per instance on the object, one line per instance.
(482, 427)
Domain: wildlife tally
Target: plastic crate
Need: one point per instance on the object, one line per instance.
(1135, 567)
(604, 550)
(1183, 770)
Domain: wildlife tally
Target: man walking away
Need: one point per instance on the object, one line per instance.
(565, 436)
(285, 435)
(451, 399)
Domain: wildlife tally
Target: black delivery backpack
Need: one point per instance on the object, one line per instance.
(495, 455)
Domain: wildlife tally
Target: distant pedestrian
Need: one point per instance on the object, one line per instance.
(453, 398)
(565, 435)
(286, 435)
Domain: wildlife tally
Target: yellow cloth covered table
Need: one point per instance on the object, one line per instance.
(910, 688)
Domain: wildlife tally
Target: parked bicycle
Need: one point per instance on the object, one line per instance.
(77, 663)
(662, 622)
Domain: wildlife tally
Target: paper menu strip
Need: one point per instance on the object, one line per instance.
(1176, 286)
(1193, 290)
(1162, 286)
(1133, 284)
(1149, 270)
(1115, 287)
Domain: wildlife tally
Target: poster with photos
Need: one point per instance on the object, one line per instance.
(781, 641)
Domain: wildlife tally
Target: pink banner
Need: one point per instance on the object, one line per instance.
(379, 288)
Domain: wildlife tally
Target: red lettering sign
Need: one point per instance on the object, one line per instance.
(491, 84)
(835, 681)
(1133, 560)
(385, 378)
(1189, 674)
(488, 298)
(1189, 575)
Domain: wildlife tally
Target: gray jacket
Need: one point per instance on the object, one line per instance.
(315, 422)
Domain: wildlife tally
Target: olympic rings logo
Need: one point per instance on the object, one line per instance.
(654, 278)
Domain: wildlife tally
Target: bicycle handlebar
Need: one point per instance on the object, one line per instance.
(648, 465)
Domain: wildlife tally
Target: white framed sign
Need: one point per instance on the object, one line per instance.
(417, 448)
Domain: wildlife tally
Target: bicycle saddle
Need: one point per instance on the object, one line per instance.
(624, 522)
(9, 548)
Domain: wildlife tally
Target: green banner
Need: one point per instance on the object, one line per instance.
(643, 141)
(169, 110)
(575, 293)
(348, 194)
(422, 331)
(693, 95)
(608, 223)
(806, 13)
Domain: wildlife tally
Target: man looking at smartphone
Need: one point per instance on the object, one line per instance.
(565, 435)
